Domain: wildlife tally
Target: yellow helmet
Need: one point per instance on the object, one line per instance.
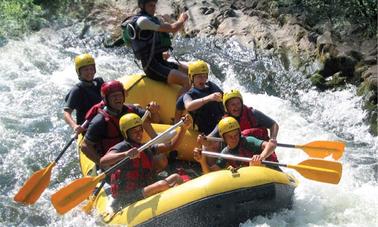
(227, 124)
(129, 121)
(197, 67)
(83, 60)
(231, 94)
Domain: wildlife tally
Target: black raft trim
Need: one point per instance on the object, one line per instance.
(229, 208)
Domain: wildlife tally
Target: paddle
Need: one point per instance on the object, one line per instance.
(38, 182)
(88, 207)
(74, 193)
(315, 149)
(314, 169)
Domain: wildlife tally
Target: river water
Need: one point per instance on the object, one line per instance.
(37, 71)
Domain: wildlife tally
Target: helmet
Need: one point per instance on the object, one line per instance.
(142, 2)
(129, 121)
(231, 94)
(197, 67)
(83, 60)
(227, 124)
(111, 87)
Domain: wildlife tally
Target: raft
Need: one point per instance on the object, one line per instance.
(221, 198)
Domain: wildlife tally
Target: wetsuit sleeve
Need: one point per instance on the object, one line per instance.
(99, 81)
(262, 120)
(215, 132)
(72, 99)
(253, 144)
(96, 129)
(146, 24)
(139, 111)
(180, 103)
(186, 98)
(153, 149)
(120, 147)
(222, 162)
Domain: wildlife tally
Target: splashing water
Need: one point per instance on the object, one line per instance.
(38, 71)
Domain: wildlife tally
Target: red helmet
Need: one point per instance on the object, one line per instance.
(111, 87)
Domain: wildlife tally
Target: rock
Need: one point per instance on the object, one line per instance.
(372, 71)
(370, 60)
(373, 81)
(298, 37)
(355, 54)
(330, 67)
(346, 65)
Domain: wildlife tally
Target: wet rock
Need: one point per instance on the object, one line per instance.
(264, 25)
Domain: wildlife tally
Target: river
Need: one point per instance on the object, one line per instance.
(37, 71)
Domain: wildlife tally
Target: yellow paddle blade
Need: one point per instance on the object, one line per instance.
(322, 149)
(34, 186)
(319, 170)
(88, 207)
(73, 194)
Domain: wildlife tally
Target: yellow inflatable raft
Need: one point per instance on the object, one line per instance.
(222, 198)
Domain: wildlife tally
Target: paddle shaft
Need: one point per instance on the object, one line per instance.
(286, 145)
(73, 137)
(217, 139)
(146, 145)
(238, 158)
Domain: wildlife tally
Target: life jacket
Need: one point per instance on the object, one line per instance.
(248, 127)
(208, 116)
(113, 133)
(134, 174)
(145, 42)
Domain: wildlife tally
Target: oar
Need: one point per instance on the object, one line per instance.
(314, 169)
(88, 207)
(315, 149)
(38, 182)
(71, 195)
(320, 149)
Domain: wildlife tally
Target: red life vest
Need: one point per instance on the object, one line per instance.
(136, 173)
(113, 133)
(248, 127)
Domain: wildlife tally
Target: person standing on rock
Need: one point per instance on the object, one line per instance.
(84, 94)
(151, 42)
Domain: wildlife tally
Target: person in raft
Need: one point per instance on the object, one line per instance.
(136, 179)
(236, 144)
(252, 122)
(204, 100)
(84, 94)
(103, 130)
(150, 41)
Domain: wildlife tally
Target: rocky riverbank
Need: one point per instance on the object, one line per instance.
(340, 56)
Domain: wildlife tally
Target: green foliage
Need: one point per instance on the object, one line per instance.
(20, 16)
(17, 16)
(361, 13)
